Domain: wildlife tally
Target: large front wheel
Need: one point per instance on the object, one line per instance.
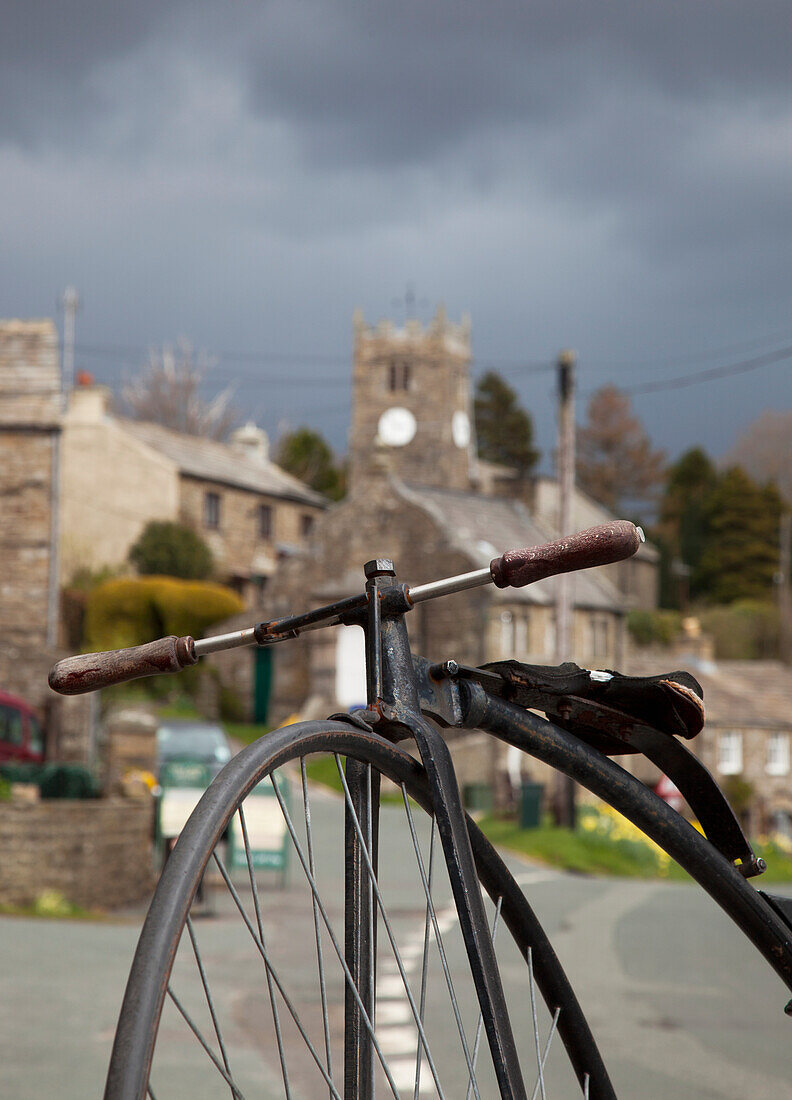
(260, 1000)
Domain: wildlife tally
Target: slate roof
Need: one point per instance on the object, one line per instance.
(756, 694)
(220, 462)
(483, 527)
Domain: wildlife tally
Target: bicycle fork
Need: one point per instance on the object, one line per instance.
(394, 707)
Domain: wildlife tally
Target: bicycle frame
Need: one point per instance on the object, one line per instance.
(401, 691)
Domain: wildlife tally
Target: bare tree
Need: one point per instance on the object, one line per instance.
(167, 392)
(616, 463)
(764, 450)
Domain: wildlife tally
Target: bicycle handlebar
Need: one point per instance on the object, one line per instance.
(601, 545)
(90, 671)
(610, 542)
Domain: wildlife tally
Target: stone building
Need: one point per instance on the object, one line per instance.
(30, 458)
(119, 474)
(415, 496)
(746, 741)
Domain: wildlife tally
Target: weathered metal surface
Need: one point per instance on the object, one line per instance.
(692, 851)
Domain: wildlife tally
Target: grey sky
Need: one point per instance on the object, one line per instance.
(616, 177)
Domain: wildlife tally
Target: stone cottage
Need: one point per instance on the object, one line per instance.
(119, 474)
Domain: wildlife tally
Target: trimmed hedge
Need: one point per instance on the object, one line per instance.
(131, 611)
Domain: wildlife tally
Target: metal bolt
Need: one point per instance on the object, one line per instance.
(379, 567)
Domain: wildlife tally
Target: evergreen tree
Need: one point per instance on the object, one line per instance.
(504, 430)
(740, 555)
(171, 550)
(306, 454)
(681, 532)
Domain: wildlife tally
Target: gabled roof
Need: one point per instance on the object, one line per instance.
(482, 527)
(212, 461)
(586, 512)
(754, 694)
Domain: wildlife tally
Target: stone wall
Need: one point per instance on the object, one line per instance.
(435, 387)
(239, 549)
(30, 409)
(112, 486)
(98, 854)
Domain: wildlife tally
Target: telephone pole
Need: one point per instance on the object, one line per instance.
(565, 791)
(566, 489)
(784, 594)
(70, 301)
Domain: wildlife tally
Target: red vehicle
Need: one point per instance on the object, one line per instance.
(21, 735)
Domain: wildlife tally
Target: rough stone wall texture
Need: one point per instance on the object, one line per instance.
(30, 412)
(112, 487)
(98, 854)
(238, 547)
(438, 359)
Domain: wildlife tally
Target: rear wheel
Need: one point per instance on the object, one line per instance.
(260, 1000)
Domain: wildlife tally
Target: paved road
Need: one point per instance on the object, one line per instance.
(681, 1005)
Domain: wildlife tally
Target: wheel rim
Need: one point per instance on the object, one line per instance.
(426, 1034)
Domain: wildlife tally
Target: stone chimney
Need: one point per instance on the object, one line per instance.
(88, 403)
(252, 441)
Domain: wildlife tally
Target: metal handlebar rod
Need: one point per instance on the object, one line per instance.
(603, 545)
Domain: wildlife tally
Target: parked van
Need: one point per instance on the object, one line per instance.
(21, 734)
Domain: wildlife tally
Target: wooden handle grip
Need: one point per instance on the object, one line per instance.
(90, 671)
(596, 546)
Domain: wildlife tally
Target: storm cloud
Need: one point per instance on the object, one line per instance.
(614, 176)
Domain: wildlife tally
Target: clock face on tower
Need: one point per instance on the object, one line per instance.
(396, 427)
(460, 428)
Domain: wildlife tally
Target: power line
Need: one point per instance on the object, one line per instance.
(713, 373)
(691, 358)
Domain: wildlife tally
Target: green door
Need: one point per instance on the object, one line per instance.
(262, 683)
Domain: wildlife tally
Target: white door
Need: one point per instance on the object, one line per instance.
(350, 672)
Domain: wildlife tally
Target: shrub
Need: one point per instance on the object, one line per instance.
(745, 630)
(171, 550)
(136, 610)
(654, 627)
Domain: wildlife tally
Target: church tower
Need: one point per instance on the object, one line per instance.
(411, 402)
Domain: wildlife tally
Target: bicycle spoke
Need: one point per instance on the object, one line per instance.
(270, 968)
(333, 939)
(546, 1051)
(480, 1022)
(371, 911)
(535, 1021)
(425, 960)
(209, 1000)
(317, 930)
(197, 1033)
(440, 947)
(389, 930)
(257, 907)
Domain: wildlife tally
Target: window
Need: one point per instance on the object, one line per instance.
(265, 521)
(730, 757)
(599, 636)
(777, 754)
(398, 375)
(506, 634)
(36, 736)
(212, 511)
(10, 725)
(306, 526)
